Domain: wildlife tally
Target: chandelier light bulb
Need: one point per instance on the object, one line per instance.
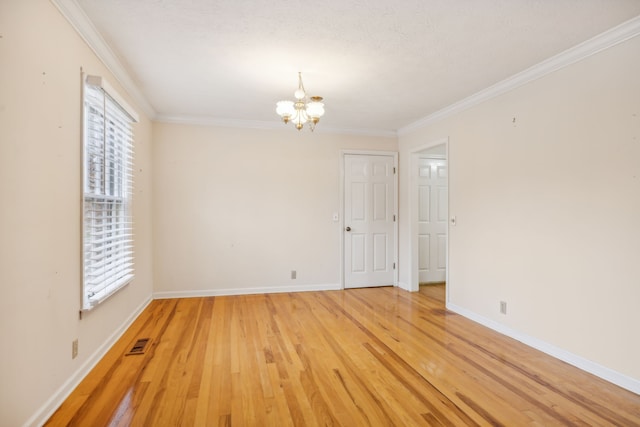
(285, 109)
(315, 109)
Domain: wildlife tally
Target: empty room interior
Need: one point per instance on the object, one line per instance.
(335, 213)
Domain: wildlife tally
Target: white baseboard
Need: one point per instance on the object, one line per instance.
(54, 402)
(404, 286)
(245, 291)
(603, 372)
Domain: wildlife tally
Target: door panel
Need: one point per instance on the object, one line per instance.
(369, 214)
(424, 248)
(358, 202)
(432, 220)
(380, 202)
(442, 252)
(442, 204)
(380, 255)
(358, 250)
(424, 201)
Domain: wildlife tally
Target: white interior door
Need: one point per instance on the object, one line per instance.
(432, 220)
(369, 229)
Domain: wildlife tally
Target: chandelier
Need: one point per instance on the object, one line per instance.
(304, 109)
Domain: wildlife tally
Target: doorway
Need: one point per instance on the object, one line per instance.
(431, 177)
(369, 228)
(429, 209)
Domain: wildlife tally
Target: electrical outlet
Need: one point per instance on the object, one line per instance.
(293, 274)
(503, 307)
(74, 349)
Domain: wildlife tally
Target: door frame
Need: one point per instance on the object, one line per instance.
(393, 154)
(415, 153)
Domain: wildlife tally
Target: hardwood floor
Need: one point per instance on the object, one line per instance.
(376, 356)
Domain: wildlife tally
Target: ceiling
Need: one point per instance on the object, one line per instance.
(379, 64)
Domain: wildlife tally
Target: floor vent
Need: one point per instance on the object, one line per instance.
(139, 347)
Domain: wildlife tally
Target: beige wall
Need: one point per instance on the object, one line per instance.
(238, 209)
(40, 202)
(545, 184)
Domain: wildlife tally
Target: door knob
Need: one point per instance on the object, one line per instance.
(348, 228)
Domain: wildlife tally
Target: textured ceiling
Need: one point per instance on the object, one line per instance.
(380, 65)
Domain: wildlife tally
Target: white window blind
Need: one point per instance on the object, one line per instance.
(107, 187)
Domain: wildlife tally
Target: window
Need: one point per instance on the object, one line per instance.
(107, 184)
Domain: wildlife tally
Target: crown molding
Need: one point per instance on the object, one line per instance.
(263, 125)
(83, 25)
(216, 122)
(609, 38)
(380, 133)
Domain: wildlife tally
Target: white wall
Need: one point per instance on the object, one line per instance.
(238, 209)
(40, 213)
(545, 184)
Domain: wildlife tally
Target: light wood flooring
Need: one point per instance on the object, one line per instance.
(362, 357)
